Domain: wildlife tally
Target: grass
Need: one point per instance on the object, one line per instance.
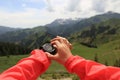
(84, 51)
(6, 62)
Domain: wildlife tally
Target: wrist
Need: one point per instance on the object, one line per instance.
(67, 58)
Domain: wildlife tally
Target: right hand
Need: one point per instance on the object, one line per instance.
(63, 49)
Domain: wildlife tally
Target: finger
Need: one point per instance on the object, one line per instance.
(54, 38)
(55, 46)
(65, 40)
(67, 43)
(59, 39)
(71, 46)
(56, 43)
(50, 56)
(62, 39)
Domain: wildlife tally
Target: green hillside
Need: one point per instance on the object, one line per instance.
(109, 52)
(98, 34)
(36, 38)
(30, 38)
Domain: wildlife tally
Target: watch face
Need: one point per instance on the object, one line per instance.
(47, 47)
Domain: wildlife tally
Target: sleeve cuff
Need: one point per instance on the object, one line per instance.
(41, 57)
(72, 62)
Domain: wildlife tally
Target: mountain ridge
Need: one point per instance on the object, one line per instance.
(38, 35)
(67, 29)
(99, 33)
(4, 29)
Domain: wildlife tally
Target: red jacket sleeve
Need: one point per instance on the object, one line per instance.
(90, 70)
(29, 68)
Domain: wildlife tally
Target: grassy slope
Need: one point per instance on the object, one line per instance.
(8, 62)
(108, 52)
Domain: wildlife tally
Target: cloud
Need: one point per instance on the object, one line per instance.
(49, 6)
(99, 5)
(72, 5)
(88, 6)
(53, 9)
(29, 18)
(113, 5)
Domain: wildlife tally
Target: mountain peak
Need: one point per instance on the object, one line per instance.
(110, 12)
(60, 21)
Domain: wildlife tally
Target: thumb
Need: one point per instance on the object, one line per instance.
(70, 45)
(50, 56)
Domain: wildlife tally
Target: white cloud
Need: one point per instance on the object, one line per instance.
(99, 5)
(49, 6)
(31, 17)
(113, 5)
(72, 5)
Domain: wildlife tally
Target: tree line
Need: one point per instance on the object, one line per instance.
(7, 49)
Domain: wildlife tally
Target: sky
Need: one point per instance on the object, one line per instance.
(32, 13)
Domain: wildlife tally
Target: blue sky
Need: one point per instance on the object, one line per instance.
(18, 5)
(32, 13)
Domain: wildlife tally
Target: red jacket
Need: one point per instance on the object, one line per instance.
(90, 70)
(32, 67)
(29, 68)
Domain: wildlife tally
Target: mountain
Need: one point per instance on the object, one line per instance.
(37, 36)
(74, 29)
(4, 29)
(63, 22)
(59, 26)
(31, 38)
(99, 33)
(66, 27)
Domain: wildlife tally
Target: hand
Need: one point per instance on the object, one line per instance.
(63, 49)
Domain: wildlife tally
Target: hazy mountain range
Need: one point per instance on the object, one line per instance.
(88, 31)
(4, 29)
